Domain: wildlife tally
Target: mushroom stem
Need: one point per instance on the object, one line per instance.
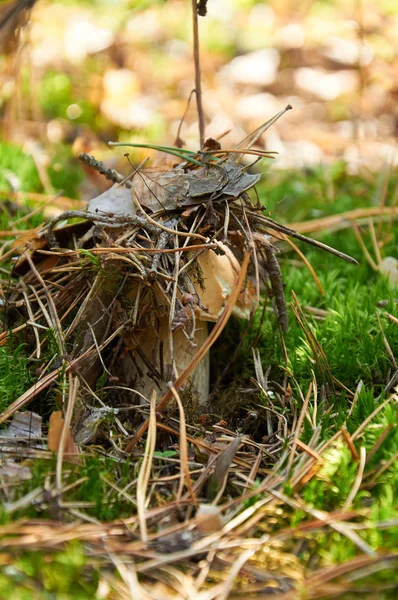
(152, 362)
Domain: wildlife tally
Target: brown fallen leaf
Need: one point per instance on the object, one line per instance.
(159, 188)
(224, 460)
(205, 181)
(71, 450)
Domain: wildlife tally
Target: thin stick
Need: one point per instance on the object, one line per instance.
(108, 173)
(184, 460)
(34, 212)
(255, 259)
(252, 138)
(379, 442)
(276, 282)
(6, 334)
(366, 252)
(268, 222)
(157, 224)
(145, 470)
(73, 385)
(358, 480)
(374, 241)
(350, 443)
(387, 345)
(259, 153)
(298, 429)
(116, 250)
(306, 262)
(16, 232)
(234, 572)
(178, 141)
(31, 318)
(383, 197)
(338, 526)
(97, 347)
(391, 317)
(381, 470)
(43, 199)
(343, 220)
(51, 306)
(198, 82)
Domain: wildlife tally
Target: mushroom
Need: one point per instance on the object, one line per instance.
(143, 273)
(158, 353)
(389, 268)
(167, 285)
(158, 344)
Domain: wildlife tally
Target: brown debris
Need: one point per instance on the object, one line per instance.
(56, 426)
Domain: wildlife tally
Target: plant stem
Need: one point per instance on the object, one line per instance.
(198, 83)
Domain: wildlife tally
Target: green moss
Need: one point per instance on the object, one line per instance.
(18, 173)
(15, 376)
(62, 575)
(350, 335)
(102, 477)
(17, 169)
(65, 171)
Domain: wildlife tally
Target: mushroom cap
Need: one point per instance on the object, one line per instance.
(389, 267)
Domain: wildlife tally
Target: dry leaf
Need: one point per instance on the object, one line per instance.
(238, 180)
(24, 425)
(118, 200)
(86, 430)
(30, 236)
(206, 181)
(223, 465)
(71, 451)
(159, 189)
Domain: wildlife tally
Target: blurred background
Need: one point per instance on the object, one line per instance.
(87, 72)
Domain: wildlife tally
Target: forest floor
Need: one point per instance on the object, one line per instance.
(286, 485)
(309, 498)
